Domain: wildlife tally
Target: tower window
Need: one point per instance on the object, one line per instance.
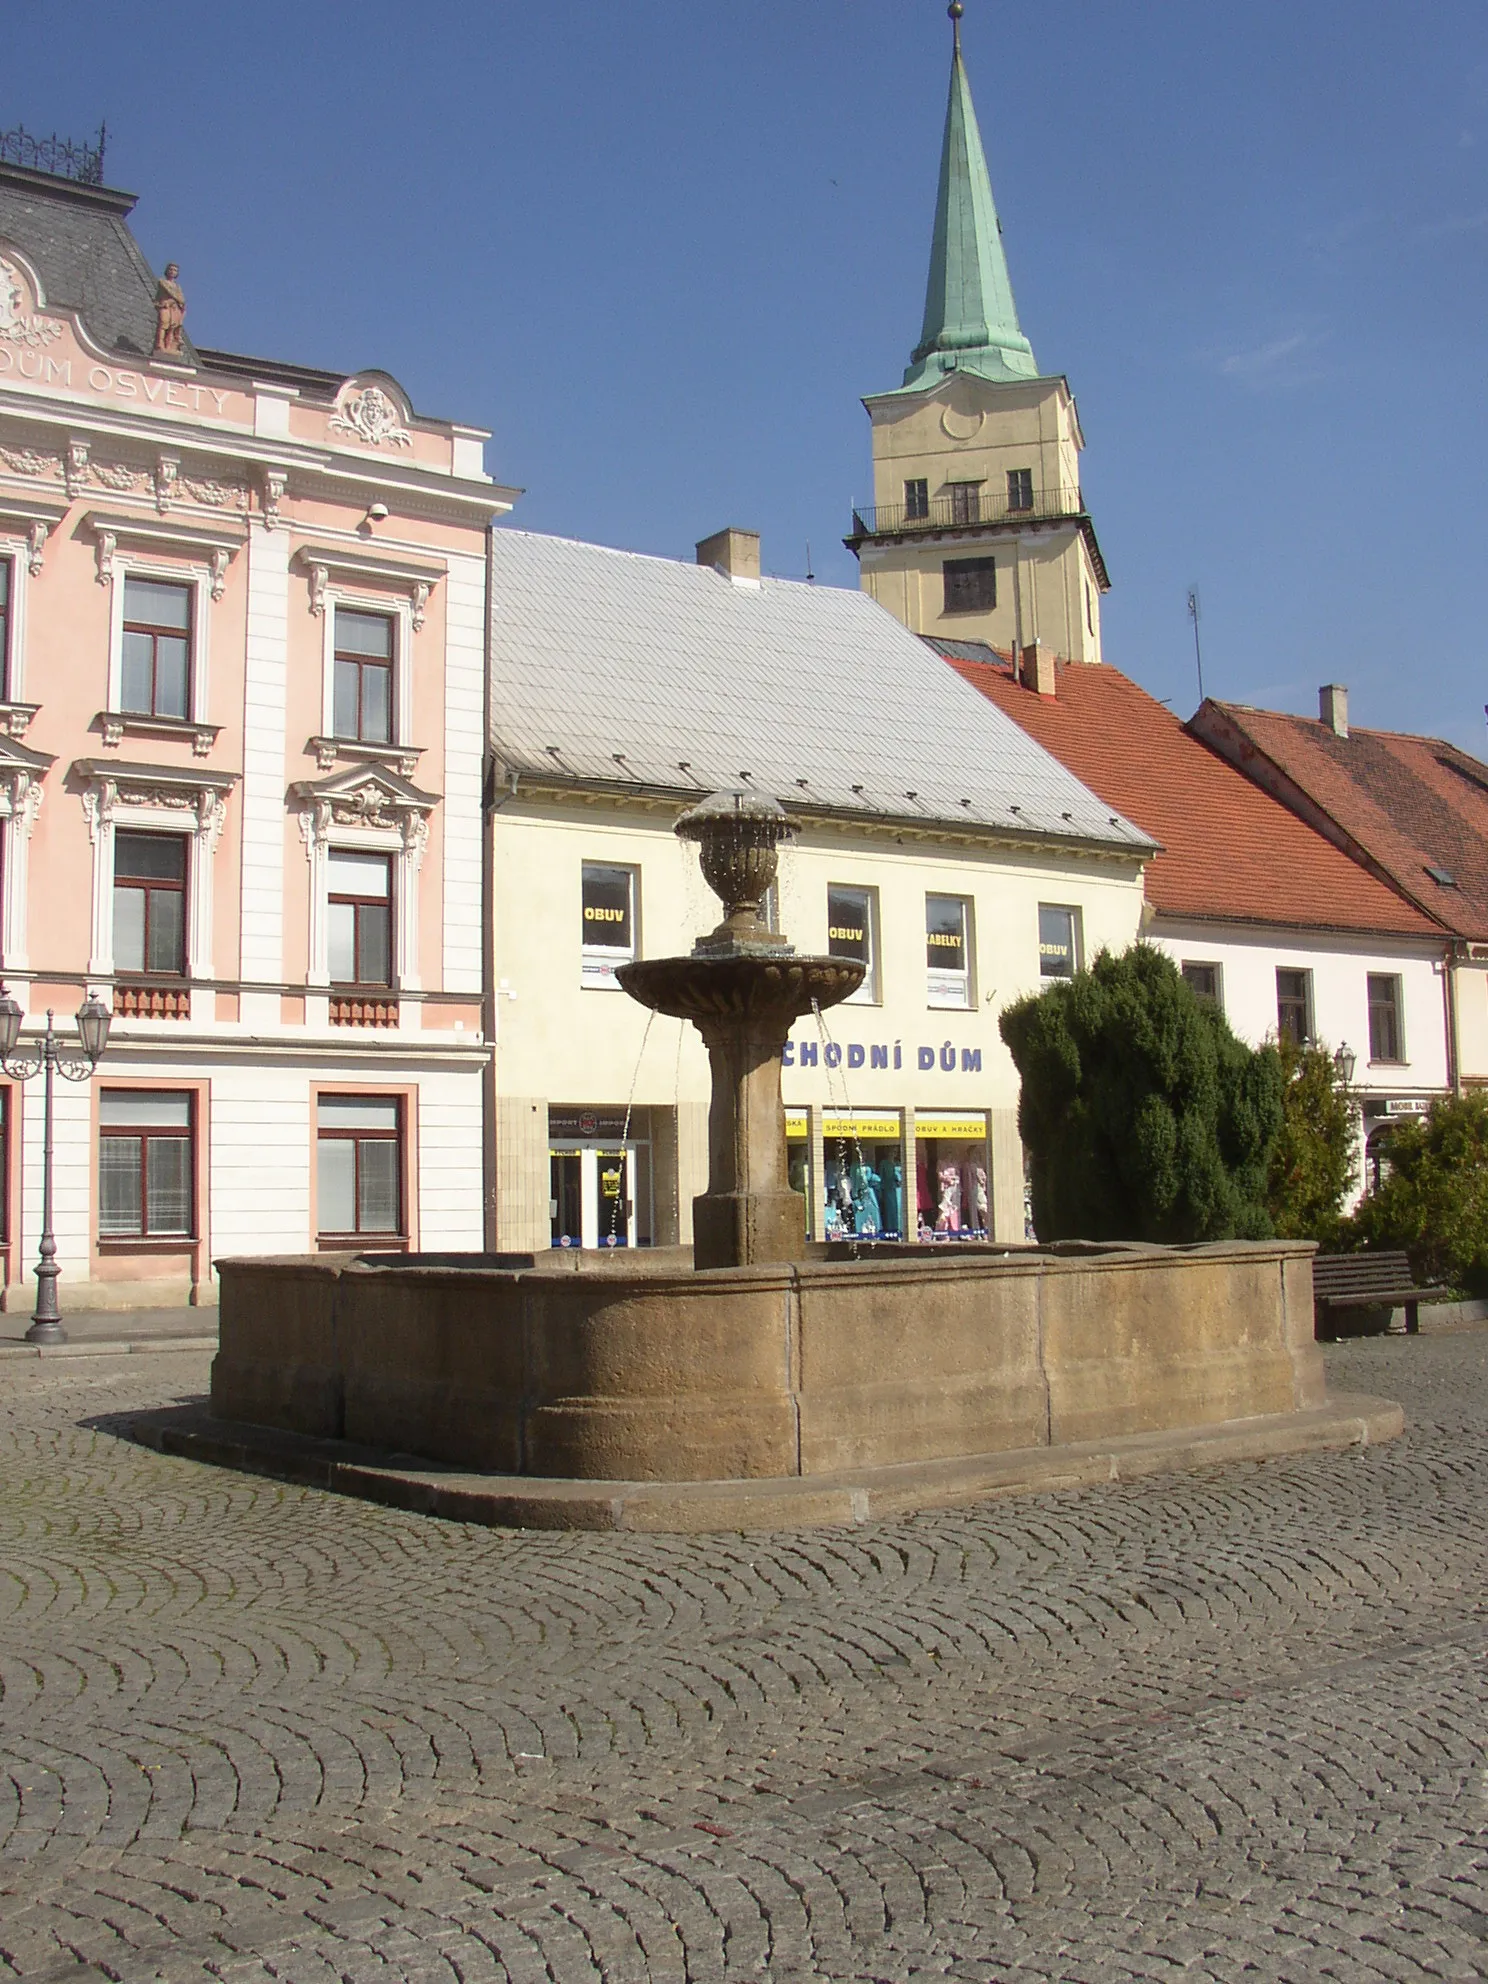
(1020, 488)
(917, 498)
(1089, 607)
(966, 502)
(970, 584)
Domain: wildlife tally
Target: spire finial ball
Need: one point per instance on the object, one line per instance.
(955, 10)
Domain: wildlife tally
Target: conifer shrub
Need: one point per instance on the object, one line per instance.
(1312, 1161)
(1434, 1201)
(1143, 1115)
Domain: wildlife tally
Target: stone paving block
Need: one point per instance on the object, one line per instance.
(1229, 1724)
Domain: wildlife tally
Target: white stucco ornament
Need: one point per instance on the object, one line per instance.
(15, 326)
(369, 415)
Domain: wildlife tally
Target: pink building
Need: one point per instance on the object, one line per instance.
(242, 614)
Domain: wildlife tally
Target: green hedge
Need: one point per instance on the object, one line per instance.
(1144, 1117)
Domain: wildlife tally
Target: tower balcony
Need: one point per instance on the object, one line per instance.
(964, 509)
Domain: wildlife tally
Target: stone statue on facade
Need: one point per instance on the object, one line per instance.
(170, 313)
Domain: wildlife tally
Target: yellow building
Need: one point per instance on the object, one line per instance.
(978, 529)
(938, 843)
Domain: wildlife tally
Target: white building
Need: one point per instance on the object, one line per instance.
(960, 861)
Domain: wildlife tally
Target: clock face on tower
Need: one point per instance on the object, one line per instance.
(957, 425)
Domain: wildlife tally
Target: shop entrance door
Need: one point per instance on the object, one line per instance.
(592, 1198)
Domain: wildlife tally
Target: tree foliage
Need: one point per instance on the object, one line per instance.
(1434, 1202)
(1144, 1117)
(1312, 1160)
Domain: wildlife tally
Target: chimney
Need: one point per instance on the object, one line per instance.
(1036, 670)
(735, 553)
(1333, 708)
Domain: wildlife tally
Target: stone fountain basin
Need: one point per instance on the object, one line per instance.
(769, 984)
(648, 1371)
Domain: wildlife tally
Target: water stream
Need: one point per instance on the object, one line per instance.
(832, 1063)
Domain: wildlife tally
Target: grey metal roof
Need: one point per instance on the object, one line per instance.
(78, 240)
(614, 669)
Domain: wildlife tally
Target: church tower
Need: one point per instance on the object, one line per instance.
(977, 529)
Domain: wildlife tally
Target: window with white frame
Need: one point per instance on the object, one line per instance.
(608, 923)
(1203, 980)
(1294, 1005)
(6, 615)
(360, 918)
(948, 951)
(367, 695)
(359, 1167)
(155, 648)
(146, 1164)
(150, 904)
(852, 933)
(1386, 1034)
(158, 645)
(1059, 940)
(362, 672)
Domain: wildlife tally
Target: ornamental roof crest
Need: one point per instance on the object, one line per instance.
(18, 324)
(367, 413)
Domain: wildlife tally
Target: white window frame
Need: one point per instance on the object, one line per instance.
(1208, 964)
(598, 962)
(15, 553)
(870, 992)
(196, 814)
(1077, 942)
(400, 612)
(1398, 979)
(406, 846)
(945, 990)
(126, 566)
(21, 795)
(1304, 971)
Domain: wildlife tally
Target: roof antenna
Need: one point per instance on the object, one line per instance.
(810, 575)
(1193, 614)
(956, 10)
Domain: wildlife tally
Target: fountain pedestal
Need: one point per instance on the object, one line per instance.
(743, 989)
(744, 1001)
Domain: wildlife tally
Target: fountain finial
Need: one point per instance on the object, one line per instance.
(738, 834)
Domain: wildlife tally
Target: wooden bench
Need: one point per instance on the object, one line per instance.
(1344, 1282)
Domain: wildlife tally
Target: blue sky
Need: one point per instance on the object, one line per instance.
(662, 249)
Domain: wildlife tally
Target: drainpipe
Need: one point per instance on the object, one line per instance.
(490, 1157)
(1449, 996)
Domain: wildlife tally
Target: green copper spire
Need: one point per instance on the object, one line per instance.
(971, 320)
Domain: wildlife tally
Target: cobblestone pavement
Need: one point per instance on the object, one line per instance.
(1222, 1725)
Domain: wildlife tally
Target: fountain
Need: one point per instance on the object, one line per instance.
(769, 1382)
(743, 988)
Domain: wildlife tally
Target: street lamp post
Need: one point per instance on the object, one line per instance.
(51, 1057)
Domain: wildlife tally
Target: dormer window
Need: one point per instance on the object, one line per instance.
(155, 678)
(363, 685)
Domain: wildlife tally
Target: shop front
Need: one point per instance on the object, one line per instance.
(600, 1179)
(892, 1174)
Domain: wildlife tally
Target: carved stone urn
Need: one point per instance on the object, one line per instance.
(743, 988)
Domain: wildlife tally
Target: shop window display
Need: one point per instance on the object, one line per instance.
(951, 1188)
(864, 1190)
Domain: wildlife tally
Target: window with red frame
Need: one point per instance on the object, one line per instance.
(359, 1167)
(146, 1167)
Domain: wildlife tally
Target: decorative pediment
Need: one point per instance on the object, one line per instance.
(21, 321)
(21, 775)
(356, 565)
(197, 797)
(366, 796)
(373, 409)
(210, 544)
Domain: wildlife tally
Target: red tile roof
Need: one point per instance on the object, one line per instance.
(1410, 804)
(1230, 851)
